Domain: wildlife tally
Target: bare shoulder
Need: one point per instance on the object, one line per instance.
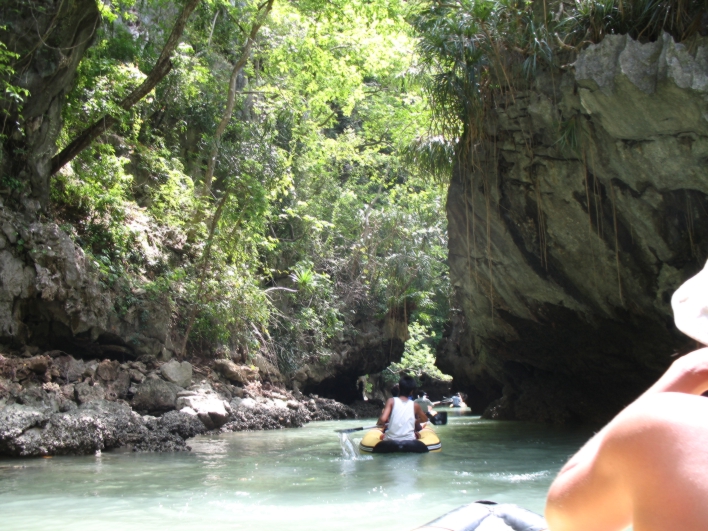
(659, 448)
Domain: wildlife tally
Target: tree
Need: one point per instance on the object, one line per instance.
(159, 71)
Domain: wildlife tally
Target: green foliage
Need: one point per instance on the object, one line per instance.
(646, 20)
(310, 318)
(418, 358)
(12, 98)
(318, 215)
(15, 94)
(569, 134)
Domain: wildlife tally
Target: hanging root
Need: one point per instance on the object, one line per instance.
(617, 261)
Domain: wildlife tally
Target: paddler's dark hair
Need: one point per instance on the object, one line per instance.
(406, 385)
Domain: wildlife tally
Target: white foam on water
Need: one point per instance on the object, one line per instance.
(519, 478)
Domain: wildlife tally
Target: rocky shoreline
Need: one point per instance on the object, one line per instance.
(54, 404)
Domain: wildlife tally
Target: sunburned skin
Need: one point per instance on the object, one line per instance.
(648, 467)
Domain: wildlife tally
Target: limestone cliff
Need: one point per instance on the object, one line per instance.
(586, 209)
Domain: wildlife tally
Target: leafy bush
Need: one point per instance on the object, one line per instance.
(418, 358)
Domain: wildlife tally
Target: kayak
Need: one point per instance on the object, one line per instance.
(428, 442)
(488, 516)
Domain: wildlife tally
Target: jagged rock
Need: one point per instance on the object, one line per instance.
(15, 420)
(261, 418)
(155, 395)
(247, 403)
(138, 366)
(368, 409)
(327, 409)
(177, 373)
(169, 432)
(100, 425)
(36, 364)
(70, 369)
(69, 391)
(43, 419)
(90, 369)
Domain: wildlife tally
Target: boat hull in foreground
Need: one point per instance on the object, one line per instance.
(487, 516)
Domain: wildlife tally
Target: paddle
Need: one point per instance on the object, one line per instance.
(350, 430)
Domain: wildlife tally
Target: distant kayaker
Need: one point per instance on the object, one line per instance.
(456, 400)
(425, 403)
(402, 417)
(646, 468)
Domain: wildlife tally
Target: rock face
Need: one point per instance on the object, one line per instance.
(50, 296)
(369, 347)
(586, 209)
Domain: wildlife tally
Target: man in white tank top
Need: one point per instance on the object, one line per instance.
(403, 415)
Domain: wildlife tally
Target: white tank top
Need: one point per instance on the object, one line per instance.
(401, 424)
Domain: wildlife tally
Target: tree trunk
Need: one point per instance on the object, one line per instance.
(160, 70)
(203, 266)
(231, 97)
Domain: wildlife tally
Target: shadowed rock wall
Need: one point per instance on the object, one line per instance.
(586, 209)
(368, 347)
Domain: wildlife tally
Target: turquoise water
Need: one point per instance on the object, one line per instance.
(295, 479)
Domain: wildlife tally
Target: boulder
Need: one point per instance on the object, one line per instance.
(211, 410)
(155, 396)
(118, 388)
(136, 376)
(36, 364)
(88, 392)
(107, 370)
(236, 373)
(177, 373)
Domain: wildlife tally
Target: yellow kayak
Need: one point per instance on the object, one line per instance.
(428, 442)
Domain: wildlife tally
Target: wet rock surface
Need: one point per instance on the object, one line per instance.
(56, 405)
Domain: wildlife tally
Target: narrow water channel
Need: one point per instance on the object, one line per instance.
(295, 479)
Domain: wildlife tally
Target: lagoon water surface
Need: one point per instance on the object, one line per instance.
(294, 480)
